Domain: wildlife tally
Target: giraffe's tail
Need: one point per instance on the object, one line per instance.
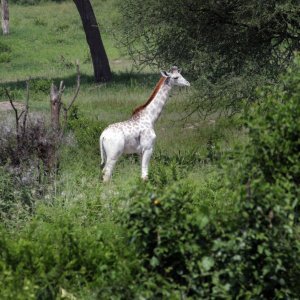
(102, 152)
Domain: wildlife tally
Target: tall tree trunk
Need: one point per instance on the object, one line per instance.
(101, 66)
(5, 16)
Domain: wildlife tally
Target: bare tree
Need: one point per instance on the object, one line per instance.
(56, 103)
(36, 138)
(5, 16)
(101, 66)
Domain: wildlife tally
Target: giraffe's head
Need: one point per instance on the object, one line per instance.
(174, 77)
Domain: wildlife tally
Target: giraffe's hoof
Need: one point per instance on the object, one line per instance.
(105, 179)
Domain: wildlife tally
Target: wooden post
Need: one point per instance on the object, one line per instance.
(55, 102)
(5, 17)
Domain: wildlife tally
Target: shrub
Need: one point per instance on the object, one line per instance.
(5, 53)
(5, 57)
(62, 251)
(41, 85)
(28, 160)
(173, 234)
(87, 131)
(266, 243)
(252, 254)
(6, 191)
(163, 175)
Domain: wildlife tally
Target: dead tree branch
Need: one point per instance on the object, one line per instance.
(17, 115)
(67, 108)
(26, 106)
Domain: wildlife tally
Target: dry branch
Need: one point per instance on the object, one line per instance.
(67, 108)
(17, 115)
(26, 106)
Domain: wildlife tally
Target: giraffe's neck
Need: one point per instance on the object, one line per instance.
(155, 107)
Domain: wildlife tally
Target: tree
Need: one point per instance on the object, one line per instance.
(101, 66)
(5, 16)
(230, 47)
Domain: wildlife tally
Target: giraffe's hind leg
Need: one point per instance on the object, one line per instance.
(148, 138)
(108, 169)
(113, 145)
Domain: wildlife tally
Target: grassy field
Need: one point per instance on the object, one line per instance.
(44, 43)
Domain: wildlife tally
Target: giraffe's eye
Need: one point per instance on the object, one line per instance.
(176, 77)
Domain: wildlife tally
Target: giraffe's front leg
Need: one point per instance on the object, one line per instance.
(147, 142)
(145, 163)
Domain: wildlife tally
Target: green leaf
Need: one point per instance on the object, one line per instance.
(207, 263)
(154, 262)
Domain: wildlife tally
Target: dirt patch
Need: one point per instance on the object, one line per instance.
(5, 106)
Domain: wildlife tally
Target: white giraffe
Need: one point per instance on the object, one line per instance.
(137, 135)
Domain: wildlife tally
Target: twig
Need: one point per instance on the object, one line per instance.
(67, 108)
(26, 106)
(15, 110)
(77, 87)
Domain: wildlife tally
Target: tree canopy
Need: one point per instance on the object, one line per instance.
(229, 46)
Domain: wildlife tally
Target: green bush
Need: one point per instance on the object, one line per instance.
(173, 238)
(251, 254)
(87, 131)
(163, 175)
(7, 194)
(5, 57)
(64, 251)
(40, 85)
(5, 53)
(266, 244)
(16, 199)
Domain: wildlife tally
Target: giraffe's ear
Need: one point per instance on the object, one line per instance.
(165, 74)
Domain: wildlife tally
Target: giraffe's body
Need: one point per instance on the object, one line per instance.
(137, 134)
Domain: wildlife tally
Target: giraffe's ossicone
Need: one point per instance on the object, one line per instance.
(137, 135)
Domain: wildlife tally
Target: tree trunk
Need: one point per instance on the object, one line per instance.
(5, 16)
(55, 102)
(101, 66)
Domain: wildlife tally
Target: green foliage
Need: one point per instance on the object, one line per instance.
(87, 131)
(6, 191)
(162, 175)
(173, 237)
(5, 57)
(195, 231)
(266, 245)
(63, 251)
(250, 254)
(275, 130)
(39, 22)
(40, 85)
(4, 47)
(228, 47)
(5, 53)
(16, 199)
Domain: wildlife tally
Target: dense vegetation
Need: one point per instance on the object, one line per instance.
(231, 46)
(218, 218)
